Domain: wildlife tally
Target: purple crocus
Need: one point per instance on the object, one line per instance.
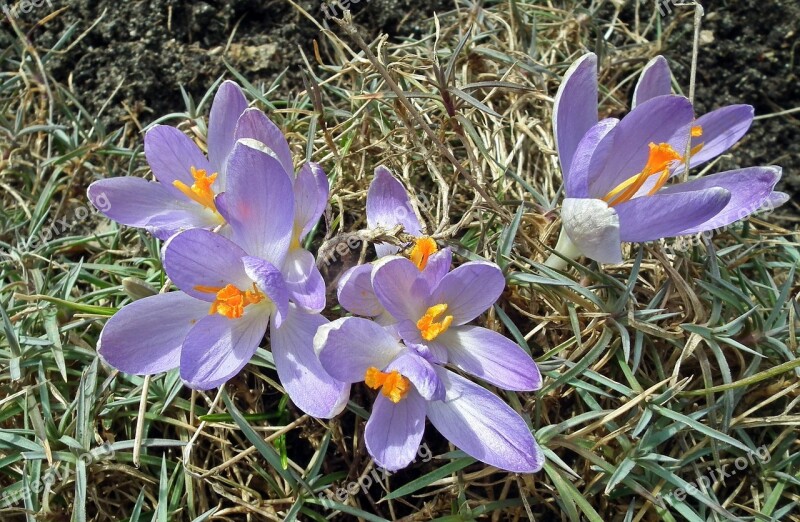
(430, 310)
(412, 388)
(188, 181)
(231, 292)
(190, 187)
(389, 205)
(616, 172)
(310, 189)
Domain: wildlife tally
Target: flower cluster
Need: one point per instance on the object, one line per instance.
(414, 323)
(616, 172)
(234, 222)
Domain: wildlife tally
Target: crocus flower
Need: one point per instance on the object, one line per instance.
(412, 388)
(616, 171)
(184, 195)
(190, 187)
(389, 205)
(310, 189)
(430, 310)
(231, 292)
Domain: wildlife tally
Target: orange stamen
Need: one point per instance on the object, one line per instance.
(201, 190)
(422, 250)
(697, 131)
(658, 162)
(394, 385)
(231, 301)
(428, 327)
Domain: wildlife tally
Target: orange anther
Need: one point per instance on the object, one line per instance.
(394, 385)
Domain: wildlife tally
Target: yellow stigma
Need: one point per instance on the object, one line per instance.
(423, 249)
(201, 190)
(428, 327)
(658, 163)
(231, 301)
(394, 385)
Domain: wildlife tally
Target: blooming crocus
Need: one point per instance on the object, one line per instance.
(616, 172)
(231, 292)
(310, 193)
(389, 205)
(188, 181)
(412, 388)
(430, 312)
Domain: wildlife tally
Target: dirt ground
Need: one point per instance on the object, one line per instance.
(751, 57)
(139, 52)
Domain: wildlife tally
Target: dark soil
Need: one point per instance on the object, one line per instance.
(752, 59)
(147, 48)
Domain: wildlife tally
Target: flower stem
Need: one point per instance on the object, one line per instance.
(566, 248)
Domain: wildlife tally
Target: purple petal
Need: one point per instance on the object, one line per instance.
(420, 373)
(590, 158)
(669, 214)
(400, 288)
(254, 124)
(749, 189)
(388, 205)
(654, 81)
(433, 351)
(142, 204)
(722, 129)
(304, 281)
(172, 154)
(145, 337)
(202, 258)
(300, 370)
(348, 347)
(217, 348)
(594, 228)
(385, 249)
(355, 292)
(270, 281)
(491, 357)
(310, 197)
(775, 200)
(259, 203)
(655, 121)
(394, 431)
(438, 266)
(575, 108)
(483, 426)
(166, 225)
(469, 290)
(229, 104)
